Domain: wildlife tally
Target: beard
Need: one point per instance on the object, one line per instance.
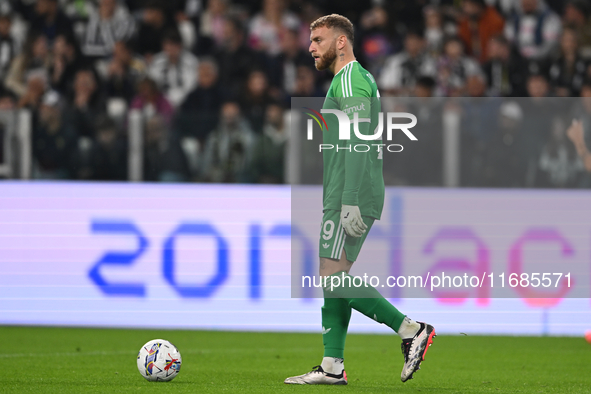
(326, 60)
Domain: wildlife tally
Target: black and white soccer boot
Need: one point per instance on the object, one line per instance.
(318, 376)
(414, 350)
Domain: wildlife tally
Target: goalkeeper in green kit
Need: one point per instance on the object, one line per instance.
(353, 197)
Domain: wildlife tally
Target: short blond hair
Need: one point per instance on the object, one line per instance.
(335, 21)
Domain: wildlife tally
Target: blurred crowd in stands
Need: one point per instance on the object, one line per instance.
(214, 79)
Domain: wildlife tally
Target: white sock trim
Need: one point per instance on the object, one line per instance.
(333, 365)
(408, 328)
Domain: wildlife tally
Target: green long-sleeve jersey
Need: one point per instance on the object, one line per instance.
(352, 175)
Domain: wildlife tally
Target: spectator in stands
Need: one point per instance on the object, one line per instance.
(34, 91)
(188, 32)
(65, 63)
(538, 114)
(579, 131)
(198, 114)
(576, 133)
(151, 101)
(153, 25)
(35, 58)
(434, 31)
(308, 13)
(377, 37)
(420, 163)
(109, 24)
(537, 87)
(7, 103)
(46, 18)
(282, 68)
(159, 16)
(404, 15)
(136, 6)
(424, 87)
(520, 147)
(477, 25)
(78, 11)
(402, 70)
(86, 103)
(52, 140)
(254, 99)
(306, 84)
(268, 164)
(235, 59)
(8, 49)
(479, 124)
(192, 11)
(582, 110)
(504, 161)
(122, 72)
(576, 15)
(534, 29)
(174, 69)
(476, 86)
(453, 68)
(479, 116)
(106, 158)
(213, 19)
(567, 71)
(265, 27)
(505, 71)
(7, 100)
(164, 159)
(229, 148)
(559, 164)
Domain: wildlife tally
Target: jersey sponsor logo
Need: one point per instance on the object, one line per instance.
(325, 245)
(354, 108)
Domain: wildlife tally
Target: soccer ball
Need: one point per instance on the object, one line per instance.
(159, 361)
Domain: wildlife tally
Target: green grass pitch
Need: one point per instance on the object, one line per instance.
(82, 360)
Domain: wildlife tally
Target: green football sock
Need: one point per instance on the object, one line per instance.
(336, 314)
(364, 298)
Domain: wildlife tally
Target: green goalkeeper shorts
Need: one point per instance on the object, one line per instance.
(333, 237)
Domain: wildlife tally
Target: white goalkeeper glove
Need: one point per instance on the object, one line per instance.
(351, 221)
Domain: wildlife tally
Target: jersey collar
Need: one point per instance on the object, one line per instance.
(345, 66)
